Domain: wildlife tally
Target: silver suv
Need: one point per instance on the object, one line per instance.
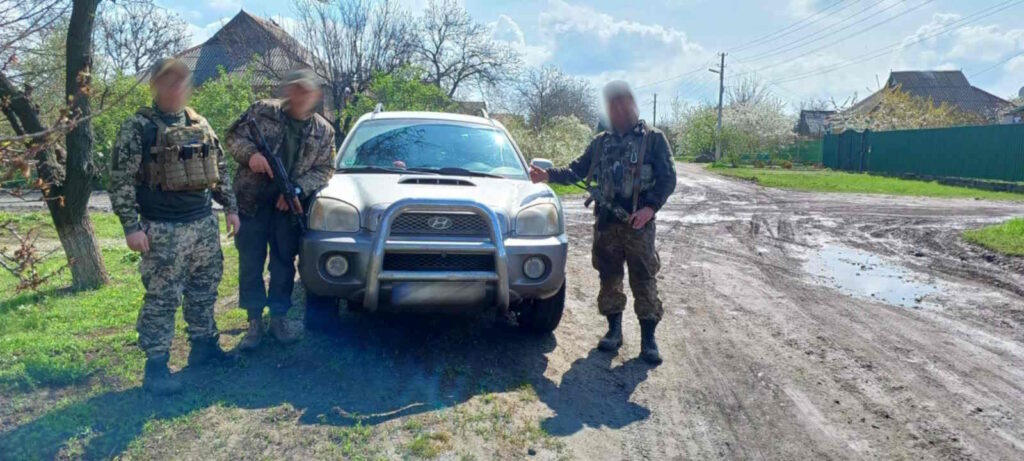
(433, 212)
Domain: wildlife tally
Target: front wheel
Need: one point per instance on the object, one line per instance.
(541, 316)
(321, 313)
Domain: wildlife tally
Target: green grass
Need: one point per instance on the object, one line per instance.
(105, 225)
(835, 181)
(563, 190)
(53, 337)
(1006, 238)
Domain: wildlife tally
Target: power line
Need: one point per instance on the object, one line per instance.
(993, 66)
(676, 77)
(843, 39)
(789, 29)
(810, 38)
(974, 17)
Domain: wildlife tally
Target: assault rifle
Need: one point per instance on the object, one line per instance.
(290, 192)
(594, 196)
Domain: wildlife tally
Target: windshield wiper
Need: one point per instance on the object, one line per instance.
(380, 169)
(455, 171)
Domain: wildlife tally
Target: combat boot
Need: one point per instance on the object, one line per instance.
(208, 351)
(612, 340)
(253, 337)
(648, 348)
(280, 331)
(158, 379)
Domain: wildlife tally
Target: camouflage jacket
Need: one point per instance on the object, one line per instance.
(311, 171)
(134, 140)
(614, 147)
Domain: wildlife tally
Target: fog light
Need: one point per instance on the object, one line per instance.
(534, 267)
(336, 265)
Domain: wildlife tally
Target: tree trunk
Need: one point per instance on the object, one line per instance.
(70, 217)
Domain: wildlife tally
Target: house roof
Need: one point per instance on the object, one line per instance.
(236, 44)
(948, 86)
(813, 122)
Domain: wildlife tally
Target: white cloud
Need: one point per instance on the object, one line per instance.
(225, 5)
(507, 30)
(200, 34)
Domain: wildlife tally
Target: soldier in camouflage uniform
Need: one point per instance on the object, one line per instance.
(632, 164)
(304, 141)
(166, 166)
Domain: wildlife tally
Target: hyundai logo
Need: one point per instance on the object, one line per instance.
(439, 222)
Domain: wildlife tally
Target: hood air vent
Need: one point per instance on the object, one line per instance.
(436, 181)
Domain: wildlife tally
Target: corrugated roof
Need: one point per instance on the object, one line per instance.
(813, 122)
(950, 87)
(236, 44)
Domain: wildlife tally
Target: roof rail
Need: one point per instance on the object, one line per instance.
(484, 110)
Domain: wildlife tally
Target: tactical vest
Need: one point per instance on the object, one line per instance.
(183, 158)
(619, 167)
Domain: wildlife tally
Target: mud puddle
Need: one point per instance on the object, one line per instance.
(867, 275)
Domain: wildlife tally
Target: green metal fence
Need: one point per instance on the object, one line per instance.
(993, 152)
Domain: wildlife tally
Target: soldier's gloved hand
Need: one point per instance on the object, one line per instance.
(232, 224)
(258, 164)
(138, 241)
(641, 217)
(538, 174)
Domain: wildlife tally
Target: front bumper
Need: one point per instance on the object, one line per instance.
(367, 282)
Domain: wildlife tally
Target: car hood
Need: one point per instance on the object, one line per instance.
(372, 193)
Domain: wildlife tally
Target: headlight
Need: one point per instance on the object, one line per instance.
(538, 221)
(334, 216)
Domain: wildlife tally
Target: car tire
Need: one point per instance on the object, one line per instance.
(321, 313)
(541, 316)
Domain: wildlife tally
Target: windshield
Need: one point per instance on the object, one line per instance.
(433, 145)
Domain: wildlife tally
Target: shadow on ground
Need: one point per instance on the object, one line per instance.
(376, 369)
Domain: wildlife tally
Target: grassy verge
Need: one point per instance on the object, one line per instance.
(1006, 238)
(836, 181)
(564, 190)
(54, 338)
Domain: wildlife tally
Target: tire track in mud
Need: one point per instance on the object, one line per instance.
(765, 362)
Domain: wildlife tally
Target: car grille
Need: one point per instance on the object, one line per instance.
(421, 262)
(460, 224)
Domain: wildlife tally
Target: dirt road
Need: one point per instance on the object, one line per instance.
(776, 352)
(797, 326)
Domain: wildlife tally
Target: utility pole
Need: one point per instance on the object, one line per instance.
(721, 93)
(655, 109)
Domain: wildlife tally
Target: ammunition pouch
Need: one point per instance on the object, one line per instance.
(183, 158)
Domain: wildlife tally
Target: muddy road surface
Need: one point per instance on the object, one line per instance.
(811, 326)
(797, 326)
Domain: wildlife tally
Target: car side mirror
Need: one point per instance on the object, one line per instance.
(542, 163)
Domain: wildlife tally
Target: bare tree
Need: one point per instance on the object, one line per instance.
(348, 41)
(749, 91)
(547, 93)
(135, 33)
(455, 50)
(64, 180)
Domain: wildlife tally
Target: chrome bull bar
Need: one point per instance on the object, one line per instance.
(376, 273)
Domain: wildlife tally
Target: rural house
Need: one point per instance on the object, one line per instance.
(1015, 115)
(248, 46)
(946, 86)
(813, 123)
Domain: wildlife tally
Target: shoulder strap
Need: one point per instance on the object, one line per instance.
(645, 145)
(595, 157)
(161, 127)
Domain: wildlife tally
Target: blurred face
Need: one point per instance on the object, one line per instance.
(301, 100)
(622, 113)
(171, 91)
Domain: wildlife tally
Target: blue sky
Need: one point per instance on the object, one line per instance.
(661, 45)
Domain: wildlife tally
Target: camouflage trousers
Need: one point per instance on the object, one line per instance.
(616, 244)
(183, 267)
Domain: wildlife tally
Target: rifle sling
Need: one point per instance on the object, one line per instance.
(638, 174)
